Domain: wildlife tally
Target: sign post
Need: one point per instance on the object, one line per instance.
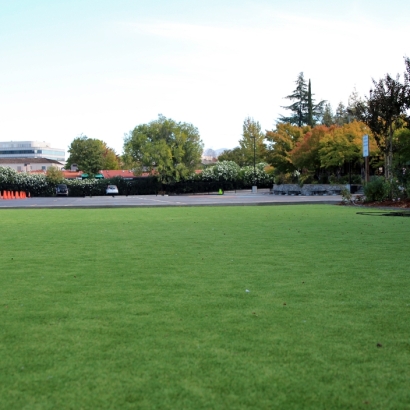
(366, 156)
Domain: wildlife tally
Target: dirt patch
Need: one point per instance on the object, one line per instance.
(402, 204)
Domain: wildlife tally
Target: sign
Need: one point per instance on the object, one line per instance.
(365, 145)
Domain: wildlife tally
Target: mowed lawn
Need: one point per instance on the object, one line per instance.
(287, 307)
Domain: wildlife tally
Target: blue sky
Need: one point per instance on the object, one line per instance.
(102, 67)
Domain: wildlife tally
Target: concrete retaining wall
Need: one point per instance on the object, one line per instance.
(308, 189)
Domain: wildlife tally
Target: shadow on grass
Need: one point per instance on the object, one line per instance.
(403, 213)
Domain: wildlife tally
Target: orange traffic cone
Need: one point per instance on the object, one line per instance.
(7, 195)
(23, 195)
(17, 195)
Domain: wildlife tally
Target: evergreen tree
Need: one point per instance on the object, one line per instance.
(352, 102)
(341, 116)
(304, 110)
(310, 106)
(327, 118)
(298, 108)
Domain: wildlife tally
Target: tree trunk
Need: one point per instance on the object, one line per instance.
(389, 162)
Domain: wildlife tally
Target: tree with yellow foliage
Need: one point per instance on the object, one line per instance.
(341, 145)
(281, 142)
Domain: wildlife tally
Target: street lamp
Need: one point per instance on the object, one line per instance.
(254, 187)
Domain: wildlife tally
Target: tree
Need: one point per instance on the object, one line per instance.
(54, 175)
(110, 158)
(252, 140)
(298, 107)
(305, 155)
(281, 142)
(341, 116)
(401, 139)
(309, 106)
(383, 111)
(87, 153)
(343, 145)
(170, 149)
(352, 102)
(305, 111)
(236, 155)
(407, 90)
(328, 118)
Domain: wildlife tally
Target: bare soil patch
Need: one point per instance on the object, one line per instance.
(403, 204)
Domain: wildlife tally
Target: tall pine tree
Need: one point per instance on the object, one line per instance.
(298, 108)
(304, 110)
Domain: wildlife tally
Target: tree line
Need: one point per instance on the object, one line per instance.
(311, 143)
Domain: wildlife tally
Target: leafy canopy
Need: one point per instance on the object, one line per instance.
(281, 142)
(252, 142)
(87, 153)
(170, 149)
(385, 110)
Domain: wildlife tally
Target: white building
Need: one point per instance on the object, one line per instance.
(31, 149)
(30, 164)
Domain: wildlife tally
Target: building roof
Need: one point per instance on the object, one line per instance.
(106, 173)
(23, 160)
(112, 173)
(38, 171)
(72, 174)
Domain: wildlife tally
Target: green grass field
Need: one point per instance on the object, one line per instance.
(148, 308)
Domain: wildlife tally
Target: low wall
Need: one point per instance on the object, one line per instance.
(308, 189)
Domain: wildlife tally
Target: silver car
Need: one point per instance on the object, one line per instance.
(112, 190)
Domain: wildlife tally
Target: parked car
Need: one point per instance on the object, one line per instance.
(112, 190)
(62, 189)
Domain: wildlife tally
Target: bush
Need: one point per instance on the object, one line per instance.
(263, 178)
(377, 189)
(35, 184)
(287, 178)
(226, 171)
(346, 195)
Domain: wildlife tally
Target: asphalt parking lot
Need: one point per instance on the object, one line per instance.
(241, 198)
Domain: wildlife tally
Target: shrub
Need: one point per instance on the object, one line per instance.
(248, 174)
(377, 189)
(346, 195)
(227, 171)
(54, 176)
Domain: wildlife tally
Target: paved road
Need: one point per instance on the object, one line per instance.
(229, 198)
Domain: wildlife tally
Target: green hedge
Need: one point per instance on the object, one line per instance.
(37, 185)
